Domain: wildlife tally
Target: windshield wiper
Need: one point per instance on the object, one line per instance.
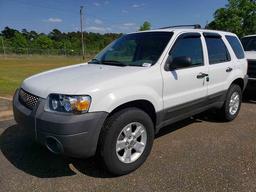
(107, 62)
(94, 61)
(112, 62)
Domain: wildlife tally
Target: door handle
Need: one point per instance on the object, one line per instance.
(229, 69)
(201, 75)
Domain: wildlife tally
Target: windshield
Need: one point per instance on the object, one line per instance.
(249, 43)
(138, 49)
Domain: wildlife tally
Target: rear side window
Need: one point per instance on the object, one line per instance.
(217, 50)
(236, 46)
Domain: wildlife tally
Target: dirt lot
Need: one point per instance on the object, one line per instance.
(200, 154)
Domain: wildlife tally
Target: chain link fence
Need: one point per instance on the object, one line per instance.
(32, 51)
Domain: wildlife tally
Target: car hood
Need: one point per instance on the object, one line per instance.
(76, 79)
(250, 55)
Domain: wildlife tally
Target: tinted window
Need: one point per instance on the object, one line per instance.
(189, 47)
(249, 43)
(236, 46)
(217, 50)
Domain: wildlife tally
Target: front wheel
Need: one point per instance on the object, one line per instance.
(232, 104)
(126, 140)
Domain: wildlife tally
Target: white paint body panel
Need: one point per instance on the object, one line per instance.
(250, 55)
(182, 86)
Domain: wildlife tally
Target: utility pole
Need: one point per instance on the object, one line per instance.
(3, 44)
(207, 25)
(82, 32)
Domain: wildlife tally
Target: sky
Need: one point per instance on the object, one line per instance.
(104, 16)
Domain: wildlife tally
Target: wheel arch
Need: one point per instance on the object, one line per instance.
(239, 82)
(142, 104)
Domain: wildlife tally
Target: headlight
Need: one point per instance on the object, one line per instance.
(69, 104)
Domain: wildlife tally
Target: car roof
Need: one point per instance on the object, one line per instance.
(180, 30)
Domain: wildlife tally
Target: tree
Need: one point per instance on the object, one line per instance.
(43, 42)
(25, 33)
(145, 26)
(18, 41)
(56, 35)
(239, 16)
(8, 32)
(32, 35)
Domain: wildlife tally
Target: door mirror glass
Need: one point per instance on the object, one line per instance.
(179, 62)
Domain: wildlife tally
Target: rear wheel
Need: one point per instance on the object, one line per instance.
(232, 104)
(126, 140)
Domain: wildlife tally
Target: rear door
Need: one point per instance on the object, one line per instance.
(239, 55)
(220, 64)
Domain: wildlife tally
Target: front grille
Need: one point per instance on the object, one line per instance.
(252, 68)
(27, 99)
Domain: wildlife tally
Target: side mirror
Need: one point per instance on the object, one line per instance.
(178, 62)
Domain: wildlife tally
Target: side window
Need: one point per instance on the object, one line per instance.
(249, 43)
(244, 42)
(189, 46)
(217, 50)
(236, 46)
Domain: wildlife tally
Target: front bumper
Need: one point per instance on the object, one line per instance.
(251, 84)
(246, 79)
(67, 134)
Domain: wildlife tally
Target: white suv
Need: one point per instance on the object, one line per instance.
(115, 104)
(249, 43)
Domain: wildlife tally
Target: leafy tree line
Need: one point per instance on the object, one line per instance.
(64, 43)
(239, 16)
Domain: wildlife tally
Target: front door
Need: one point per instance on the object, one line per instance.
(185, 87)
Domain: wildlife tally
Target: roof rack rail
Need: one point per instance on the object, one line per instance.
(196, 26)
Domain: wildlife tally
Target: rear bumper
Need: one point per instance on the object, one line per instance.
(68, 134)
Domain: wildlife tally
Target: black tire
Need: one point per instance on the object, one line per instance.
(225, 113)
(109, 135)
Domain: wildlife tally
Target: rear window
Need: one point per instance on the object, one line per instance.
(236, 46)
(217, 50)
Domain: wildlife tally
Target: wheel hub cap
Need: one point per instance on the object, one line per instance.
(234, 103)
(131, 142)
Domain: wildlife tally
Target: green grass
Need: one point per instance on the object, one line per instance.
(14, 69)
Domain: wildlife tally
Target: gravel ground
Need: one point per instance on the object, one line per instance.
(199, 154)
